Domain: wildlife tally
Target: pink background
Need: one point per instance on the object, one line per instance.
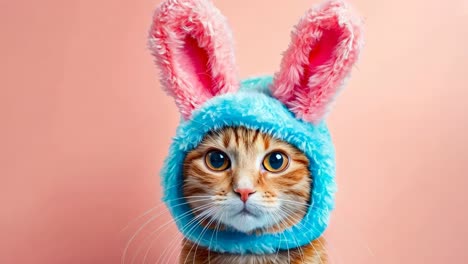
(85, 127)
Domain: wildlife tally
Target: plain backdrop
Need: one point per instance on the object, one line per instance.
(85, 126)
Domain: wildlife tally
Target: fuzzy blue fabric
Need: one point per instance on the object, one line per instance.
(254, 108)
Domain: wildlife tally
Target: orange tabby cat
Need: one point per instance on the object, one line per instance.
(249, 181)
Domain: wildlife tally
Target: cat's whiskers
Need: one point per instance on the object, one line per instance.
(293, 202)
(142, 216)
(171, 249)
(291, 223)
(192, 224)
(149, 211)
(281, 220)
(213, 218)
(203, 219)
(272, 222)
(166, 225)
(216, 229)
(173, 243)
(127, 246)
(139, 230)
(288, 211)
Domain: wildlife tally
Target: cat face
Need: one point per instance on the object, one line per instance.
(247, 180)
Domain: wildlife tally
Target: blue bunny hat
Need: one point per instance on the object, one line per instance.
(191, 44)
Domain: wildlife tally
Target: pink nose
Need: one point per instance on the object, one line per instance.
(244, 193)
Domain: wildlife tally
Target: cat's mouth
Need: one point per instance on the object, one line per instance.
(245, 212)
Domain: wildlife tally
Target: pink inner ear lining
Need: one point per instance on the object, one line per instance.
(325, 44)
(191, 43)
(321, 54)
(194, 62)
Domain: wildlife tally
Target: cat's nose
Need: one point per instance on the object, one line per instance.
(244, 193)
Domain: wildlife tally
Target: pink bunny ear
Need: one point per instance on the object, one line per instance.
(192, 46)
(324, 47)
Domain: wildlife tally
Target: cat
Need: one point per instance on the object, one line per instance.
(246, 180)
(252, 160)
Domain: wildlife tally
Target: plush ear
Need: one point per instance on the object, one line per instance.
(192, 46)
(324, 47)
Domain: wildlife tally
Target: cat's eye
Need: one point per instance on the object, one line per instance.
(217, 160)
(275, 161)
